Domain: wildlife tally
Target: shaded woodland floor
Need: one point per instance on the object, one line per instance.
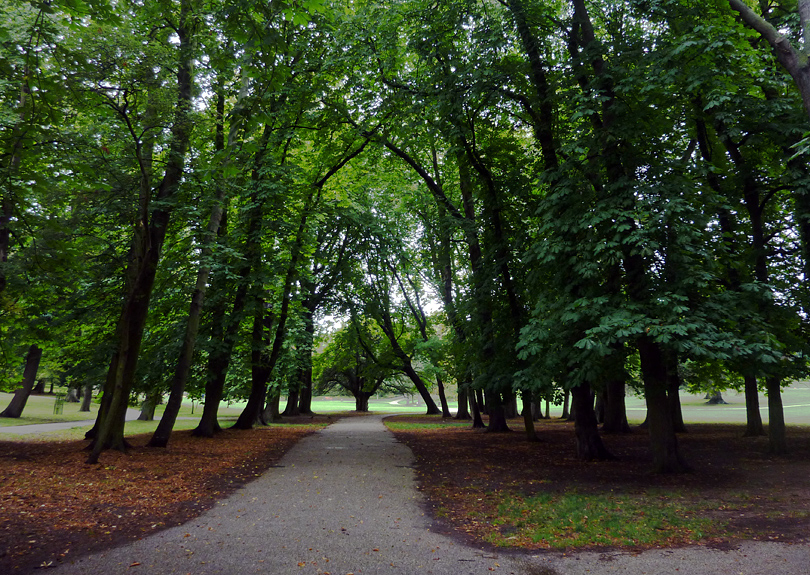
(745, 493)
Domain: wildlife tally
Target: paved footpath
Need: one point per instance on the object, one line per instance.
(343, 501)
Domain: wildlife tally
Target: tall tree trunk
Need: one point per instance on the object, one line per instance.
(776, 417)
(589, 443)
(217, 227)
(663, 441)
(17, 404)
(148, 248)
(753, 426)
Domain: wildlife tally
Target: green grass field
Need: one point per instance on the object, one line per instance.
(39, 409)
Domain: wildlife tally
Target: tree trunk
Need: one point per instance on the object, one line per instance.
(151, 402)
(260, 370)
(106, 398)
(72, 395)
(482, 404)
(271, 409)
(615, 409)
(673, 392)
(443, 398)
(537, 409)
(293, 396)
(361, 401)
(477, 421)
(566, 414)
(528, 416)
(17, 404)
(753, 426)
(305, 399)
(510, 406)
(777, 444)
(432, 408)
(716, 399)
(497, 414)
(663, 441)
(589, 443)
(87, 397)
(148, 243)
(599, 407)
(463, 412)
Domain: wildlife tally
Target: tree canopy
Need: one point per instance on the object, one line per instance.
(518, 198)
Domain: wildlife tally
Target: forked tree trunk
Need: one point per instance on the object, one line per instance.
(777, 443)
(753, 425)
(589, 444)
(17, 405)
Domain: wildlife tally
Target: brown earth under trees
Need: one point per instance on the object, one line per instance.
(461, 472)
(55, 506)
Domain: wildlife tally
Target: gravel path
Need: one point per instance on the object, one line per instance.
(344, 501)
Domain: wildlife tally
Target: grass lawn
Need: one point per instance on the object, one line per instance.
(39, 409)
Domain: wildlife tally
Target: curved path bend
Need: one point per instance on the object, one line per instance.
(344, 501)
